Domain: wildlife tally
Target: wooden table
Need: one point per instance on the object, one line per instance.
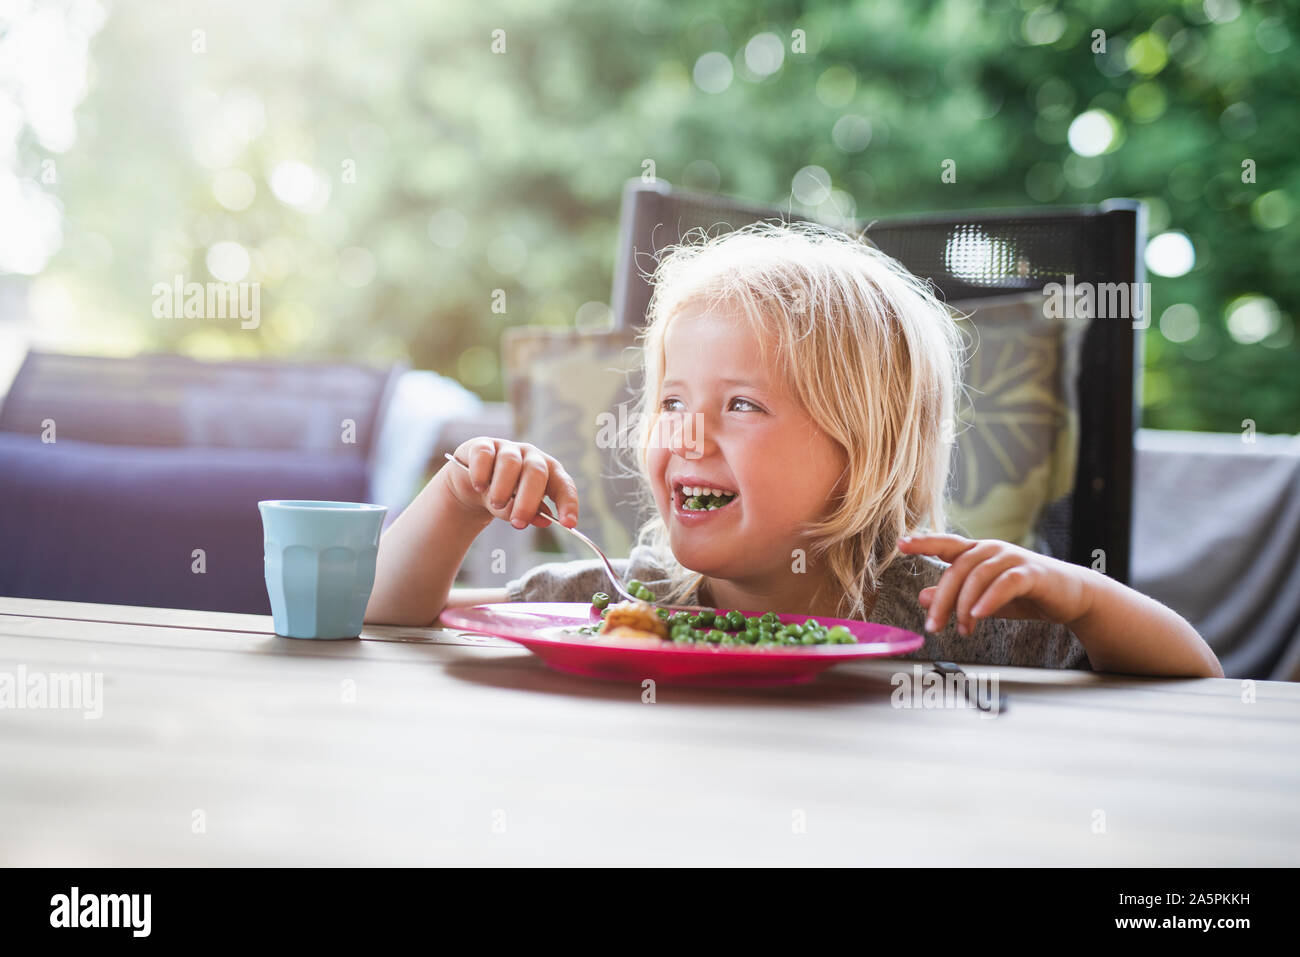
(220, 743)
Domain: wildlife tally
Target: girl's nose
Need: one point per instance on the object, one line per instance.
(687, 435)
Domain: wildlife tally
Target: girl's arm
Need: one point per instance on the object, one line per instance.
(420, 553)
(1121, 629)
(422, 550)
(1127, 631)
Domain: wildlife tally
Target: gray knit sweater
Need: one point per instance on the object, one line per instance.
(996, 641)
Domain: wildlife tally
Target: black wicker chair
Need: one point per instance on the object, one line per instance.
(1031, 248)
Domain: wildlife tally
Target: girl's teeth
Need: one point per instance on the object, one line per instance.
(700, 491)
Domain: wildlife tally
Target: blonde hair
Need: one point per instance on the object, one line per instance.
(887, 359)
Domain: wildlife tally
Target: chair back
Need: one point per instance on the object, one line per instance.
(1057, 439)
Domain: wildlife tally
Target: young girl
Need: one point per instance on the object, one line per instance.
(813, 381)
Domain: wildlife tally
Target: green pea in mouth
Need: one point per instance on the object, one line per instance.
(703, 503)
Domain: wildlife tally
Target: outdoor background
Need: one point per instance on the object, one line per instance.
(379, 170)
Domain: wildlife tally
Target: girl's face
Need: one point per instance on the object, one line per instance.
(727, 424)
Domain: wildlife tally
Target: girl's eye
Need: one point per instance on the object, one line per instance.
(673, 405)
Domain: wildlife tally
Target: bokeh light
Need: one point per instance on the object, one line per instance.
(811, 186)
(1252, 318)
(1221, 11)
(1272, 210)
(713, 72)
(227, 261)
(298, 185)
(1170, 254)
(1093, 132)
(1238, 121)
(1146, 101)
(1147, 54)
(852, 133)
(1044, 25)
(593, 316)
(836, 86)
(764, 54)
(1180, 322)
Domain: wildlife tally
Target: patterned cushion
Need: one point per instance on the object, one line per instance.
(563, 386)
(1016, 438)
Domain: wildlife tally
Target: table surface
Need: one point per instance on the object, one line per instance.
(222, 744)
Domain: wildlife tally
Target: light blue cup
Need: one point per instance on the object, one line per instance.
(320, 565)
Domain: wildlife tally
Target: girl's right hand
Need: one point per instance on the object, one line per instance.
(508, 480)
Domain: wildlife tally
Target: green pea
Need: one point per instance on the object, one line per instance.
(600, 600)
(732, 628)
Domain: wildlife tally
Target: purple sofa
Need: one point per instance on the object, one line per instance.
(147, 493)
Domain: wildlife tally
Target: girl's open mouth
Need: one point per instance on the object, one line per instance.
(697, 502)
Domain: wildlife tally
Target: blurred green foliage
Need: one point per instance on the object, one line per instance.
(477, 171)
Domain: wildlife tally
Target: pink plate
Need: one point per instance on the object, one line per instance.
(542, 628)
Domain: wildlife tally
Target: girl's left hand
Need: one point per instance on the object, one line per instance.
(989, 578)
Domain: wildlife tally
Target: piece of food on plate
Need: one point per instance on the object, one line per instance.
(633, 619)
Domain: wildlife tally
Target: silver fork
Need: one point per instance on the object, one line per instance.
(545, 513)
(952, 668)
